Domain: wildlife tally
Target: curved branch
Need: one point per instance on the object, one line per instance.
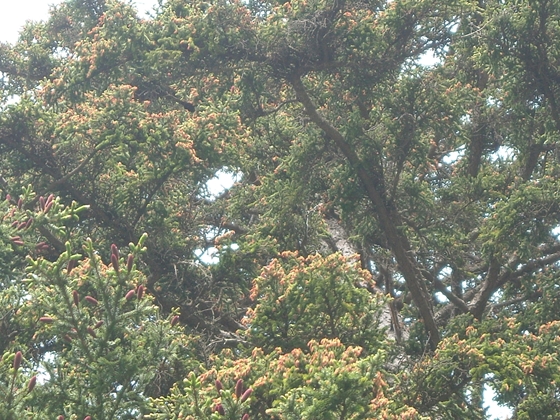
(389, 220)
(74, 171)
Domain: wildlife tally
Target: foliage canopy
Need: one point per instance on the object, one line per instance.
(390, 246)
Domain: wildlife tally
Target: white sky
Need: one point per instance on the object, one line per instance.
(17, 12)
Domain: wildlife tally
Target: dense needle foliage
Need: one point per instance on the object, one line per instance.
(389, 249)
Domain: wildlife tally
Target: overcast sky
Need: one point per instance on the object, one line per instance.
(16, 12)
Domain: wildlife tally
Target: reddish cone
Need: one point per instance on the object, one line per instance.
(92, 300)
(32, 383)
(219, 385)
(115, 262)
(246, 395)
(129, 262)
(219, 408)
(46, 319)
(239, 388)
(17, 360)
(71, 265)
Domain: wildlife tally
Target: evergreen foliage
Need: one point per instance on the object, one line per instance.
(390, 247)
